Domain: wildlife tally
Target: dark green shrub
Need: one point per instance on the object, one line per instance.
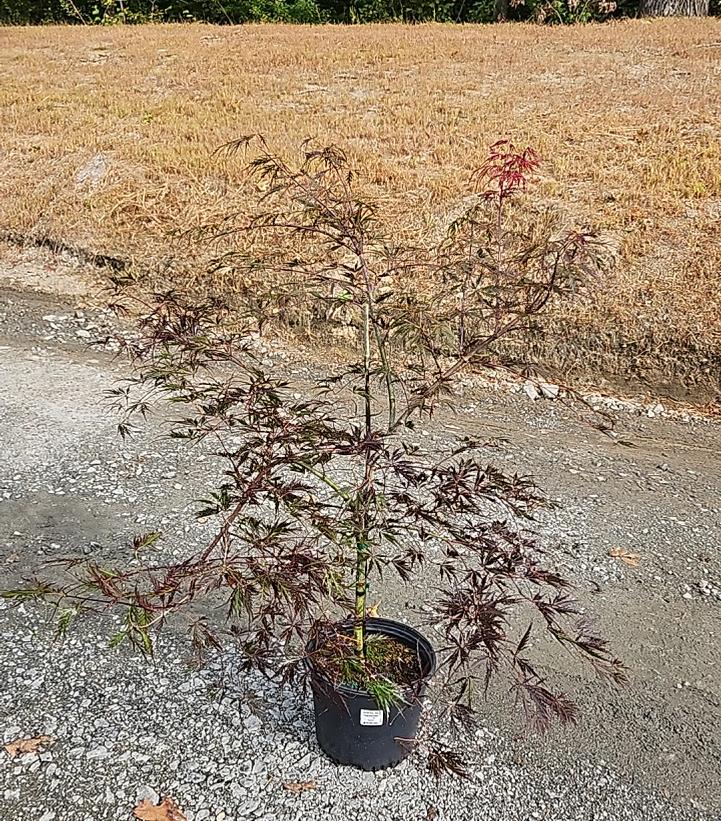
(105, 12)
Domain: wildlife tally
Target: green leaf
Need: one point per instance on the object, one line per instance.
(144, 540)
(65, 619)
(117, 639)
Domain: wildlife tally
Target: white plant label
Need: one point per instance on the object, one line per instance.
(371, 718)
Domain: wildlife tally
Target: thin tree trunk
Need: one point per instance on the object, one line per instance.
(500, 9)
(674, 8)
(361, 568)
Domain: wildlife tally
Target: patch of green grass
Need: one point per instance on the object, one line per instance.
(387, 666)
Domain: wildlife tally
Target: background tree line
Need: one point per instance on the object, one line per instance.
(22, 12)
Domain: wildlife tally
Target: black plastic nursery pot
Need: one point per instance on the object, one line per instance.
(350, 727)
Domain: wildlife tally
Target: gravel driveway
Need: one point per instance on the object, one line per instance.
(234, 747)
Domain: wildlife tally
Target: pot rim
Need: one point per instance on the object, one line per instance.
(376, 625)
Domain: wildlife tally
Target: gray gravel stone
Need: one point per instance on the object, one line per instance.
(164, 726)
(147, 793)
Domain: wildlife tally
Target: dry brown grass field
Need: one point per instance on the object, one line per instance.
(107, 134)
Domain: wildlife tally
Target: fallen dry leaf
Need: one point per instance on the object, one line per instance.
(167, 810)
(298, 786)
(21, 746)
(626, 557)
